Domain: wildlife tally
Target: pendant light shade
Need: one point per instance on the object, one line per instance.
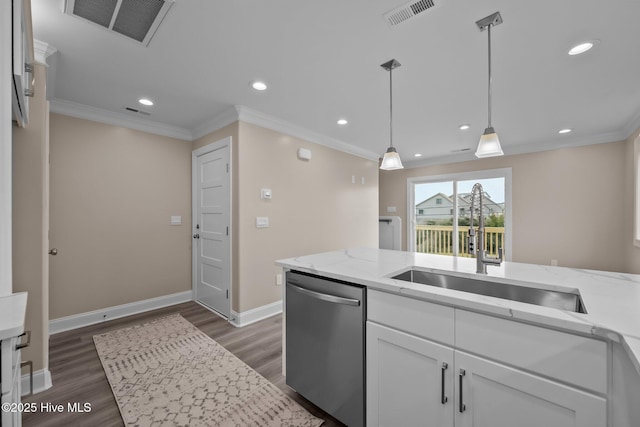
(391, 159)
(489, 144)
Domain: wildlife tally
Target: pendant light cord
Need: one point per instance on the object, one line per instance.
(390, 107)
(489, 97)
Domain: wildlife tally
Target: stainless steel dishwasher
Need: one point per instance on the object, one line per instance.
(325, 322)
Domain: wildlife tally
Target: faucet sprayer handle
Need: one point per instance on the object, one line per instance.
(471, 244)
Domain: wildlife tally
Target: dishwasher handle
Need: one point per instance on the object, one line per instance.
(325, 297)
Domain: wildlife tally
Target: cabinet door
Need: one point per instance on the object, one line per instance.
(494, 395)
(409, 381)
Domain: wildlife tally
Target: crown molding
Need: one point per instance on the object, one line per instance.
(86, 112)
(228, 116)
(43, 51)
(248, 115)
(258, 118)
(632, 125)
(554, 144)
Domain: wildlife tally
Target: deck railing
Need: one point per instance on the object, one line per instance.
(438, 239)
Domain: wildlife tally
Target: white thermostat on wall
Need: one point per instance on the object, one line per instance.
(304, 154)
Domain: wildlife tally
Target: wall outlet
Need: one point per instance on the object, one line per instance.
(391, 209)
(278, 279)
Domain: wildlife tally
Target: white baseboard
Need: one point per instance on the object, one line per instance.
(97, 316)
(41, 382)
(251, 316)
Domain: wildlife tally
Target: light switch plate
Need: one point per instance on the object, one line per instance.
(176, 220)
(262, 222)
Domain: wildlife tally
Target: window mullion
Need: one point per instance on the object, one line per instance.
(454, 237)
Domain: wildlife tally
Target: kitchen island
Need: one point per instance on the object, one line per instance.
(601, 355)
(12, 320)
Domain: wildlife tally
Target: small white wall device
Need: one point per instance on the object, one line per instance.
(304, 154)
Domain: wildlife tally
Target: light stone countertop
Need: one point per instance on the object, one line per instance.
(612, 300)
(12, 313)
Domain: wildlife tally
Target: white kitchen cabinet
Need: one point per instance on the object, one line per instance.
(409, 381)
(495, 395)
(12, 314)
(407, 385)
(10, 385)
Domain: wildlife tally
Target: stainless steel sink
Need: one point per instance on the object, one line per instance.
(567, 301)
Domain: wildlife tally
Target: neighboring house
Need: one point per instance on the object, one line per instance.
(439, 207)
(489, 207)
(435, 208)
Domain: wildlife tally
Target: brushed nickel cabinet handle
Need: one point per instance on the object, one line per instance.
(462, 407)
(443, 399)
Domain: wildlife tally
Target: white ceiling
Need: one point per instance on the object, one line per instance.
(322, 60)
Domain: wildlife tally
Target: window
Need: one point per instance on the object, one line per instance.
(420, 211)
(443, 230)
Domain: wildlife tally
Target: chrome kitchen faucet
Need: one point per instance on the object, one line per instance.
(477, 247)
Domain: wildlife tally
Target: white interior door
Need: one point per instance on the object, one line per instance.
(212, 226)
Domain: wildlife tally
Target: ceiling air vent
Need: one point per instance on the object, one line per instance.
(407, 11)
(135, 110)
(134, 19)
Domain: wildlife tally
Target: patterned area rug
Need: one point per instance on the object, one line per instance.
(169, 373)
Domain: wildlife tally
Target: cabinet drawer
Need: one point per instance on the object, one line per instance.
(421, 318)
(569, 358)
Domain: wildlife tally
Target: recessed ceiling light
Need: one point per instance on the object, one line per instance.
(417, 155)
(258, 85)
(464, 127)
(342, 122)
(581, 48)
(567, 130)
(145, 101)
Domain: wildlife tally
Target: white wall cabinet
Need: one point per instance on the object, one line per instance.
(414, 381)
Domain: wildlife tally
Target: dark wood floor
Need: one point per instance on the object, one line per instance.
(78, 376)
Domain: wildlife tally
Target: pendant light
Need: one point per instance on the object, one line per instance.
(489, 144)
(391, 159)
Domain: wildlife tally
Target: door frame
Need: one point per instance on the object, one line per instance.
(228, 141)
(505, 173)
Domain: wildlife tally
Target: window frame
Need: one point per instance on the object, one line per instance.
(505, 173)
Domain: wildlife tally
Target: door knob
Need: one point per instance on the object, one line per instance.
(53, 251)
(196, 236)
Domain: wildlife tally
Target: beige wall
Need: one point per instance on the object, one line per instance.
(631, 251)
(113, 191)
(315, 207)
(30, 217)
(568, 204)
